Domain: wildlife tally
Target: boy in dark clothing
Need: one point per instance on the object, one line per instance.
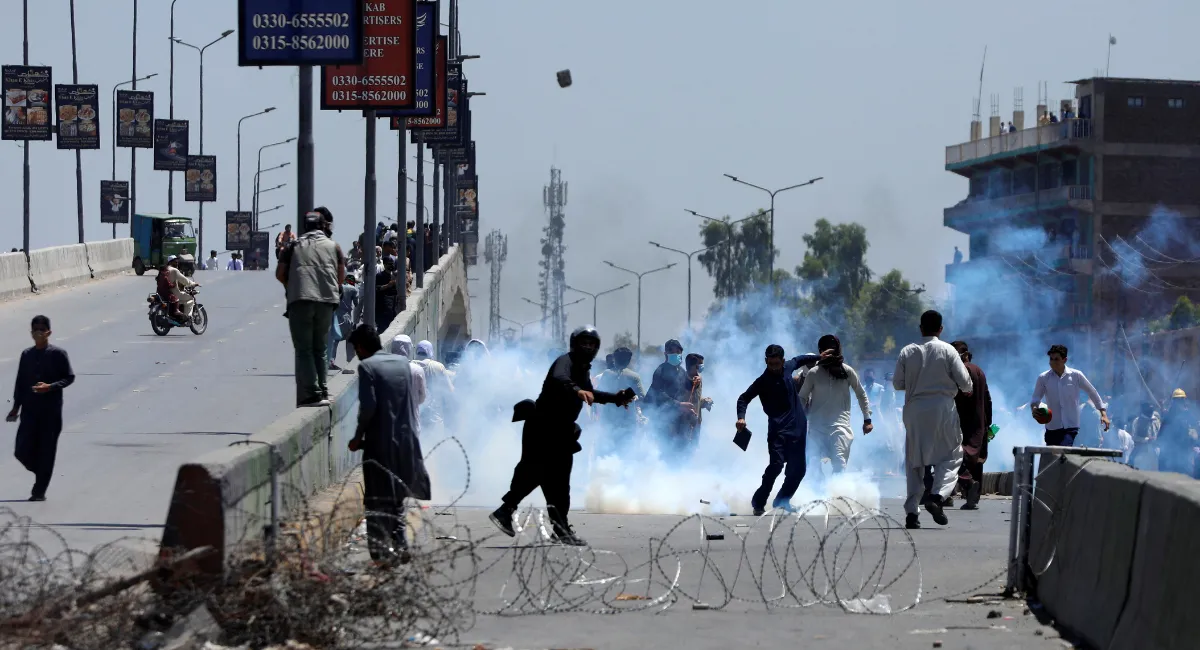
(669, 398)
(550, 436)
(787, 425)
(43, 373)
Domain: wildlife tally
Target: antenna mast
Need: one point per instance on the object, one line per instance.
(495, 252)
(553, 274)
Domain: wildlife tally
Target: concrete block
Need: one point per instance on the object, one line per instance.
(1082, 550)
(59, 266)
(110, 256)
(14, 276)
(1160, 609)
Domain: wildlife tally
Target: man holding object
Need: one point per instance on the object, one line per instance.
(44, 371)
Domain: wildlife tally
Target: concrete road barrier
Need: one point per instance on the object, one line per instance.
(110, 257)
(1084, 546)
(59, 266)
(14, 276)
(223, 499)
(1159, 612)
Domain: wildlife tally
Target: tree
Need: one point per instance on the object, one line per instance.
(834, 271)
(886, 312)
(623, 340)
(739, 259)
(1183, 315)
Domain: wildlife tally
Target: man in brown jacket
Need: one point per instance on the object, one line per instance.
(975, 417)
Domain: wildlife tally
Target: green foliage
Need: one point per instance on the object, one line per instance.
(740, 259)
(886, 311)
(1183, 315)
(834, 271)
(623, 340)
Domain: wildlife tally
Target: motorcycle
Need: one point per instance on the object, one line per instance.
(160, 315)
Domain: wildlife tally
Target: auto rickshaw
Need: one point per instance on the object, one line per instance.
(159, 236)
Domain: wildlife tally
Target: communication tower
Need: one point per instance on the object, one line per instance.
(553, 275)
(495, 252)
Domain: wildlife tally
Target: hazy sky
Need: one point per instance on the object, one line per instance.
(668, 95)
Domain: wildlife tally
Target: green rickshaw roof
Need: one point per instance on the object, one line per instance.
(164, 217)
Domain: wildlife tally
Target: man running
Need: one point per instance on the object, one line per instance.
(1059, 387)
(826, 394)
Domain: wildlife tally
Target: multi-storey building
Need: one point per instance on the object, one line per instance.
(1054, 212)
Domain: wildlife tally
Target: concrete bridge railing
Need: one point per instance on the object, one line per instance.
(58, 266)
(223, 499)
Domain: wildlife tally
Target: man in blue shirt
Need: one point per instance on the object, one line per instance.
(787, 425)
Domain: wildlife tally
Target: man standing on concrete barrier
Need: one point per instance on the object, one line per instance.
(345, 319)
(393, 466)
(311, 269)
(931, 374)
(1060, 387)
(43, 373)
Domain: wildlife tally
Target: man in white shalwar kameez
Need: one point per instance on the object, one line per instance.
(931, 373)
(826, 396)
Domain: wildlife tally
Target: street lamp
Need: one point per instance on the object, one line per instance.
(522, 325)
(639, 283)
(772, 193)
(260, 169)
(596, 296)
(538, 304)
(224, 34)
(271, 210)
(689, 271)
(239, 152)
(114, 134)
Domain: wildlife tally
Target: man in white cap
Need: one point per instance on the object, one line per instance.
(179, 282)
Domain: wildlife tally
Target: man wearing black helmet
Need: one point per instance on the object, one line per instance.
(550, 436)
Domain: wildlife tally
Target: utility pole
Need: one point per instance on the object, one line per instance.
(553, 275)
(495, 253)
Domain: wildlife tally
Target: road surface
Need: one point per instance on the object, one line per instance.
(143, 404)
(962, 560)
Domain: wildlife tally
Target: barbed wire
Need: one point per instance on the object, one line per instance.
(317, 583)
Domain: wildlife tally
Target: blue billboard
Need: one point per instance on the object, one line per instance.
(300, 32)
(426, 77)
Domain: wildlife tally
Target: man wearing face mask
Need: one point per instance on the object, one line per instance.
(670, 397)
(787, 426)
(550, 437)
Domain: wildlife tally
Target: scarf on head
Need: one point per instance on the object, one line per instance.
(833, 363)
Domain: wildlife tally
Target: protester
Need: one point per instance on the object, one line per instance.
(669, 398)
(1060, 387)
(310, 269)
(42, 374)
(393, 466)
(1145, 428)
(787, 426)
(1177, 438)
(439, 384)
(825, 394)
(620, 424)
(213, 264)
(346, 317)
(385, 293)
(694, 364)
(284, 239)
(402, 346)
(931, 374)
(975, 418)
(550, 436)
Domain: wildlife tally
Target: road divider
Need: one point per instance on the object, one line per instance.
(110, 257)
(14, 276)
(1112, 550)
(59, 266)
(231, 499)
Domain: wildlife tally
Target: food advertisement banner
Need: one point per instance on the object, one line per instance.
(456, 149)
(424, 88)
(26, 103)
(259, 256)
(135, 119)
(114, 201)
(170, 145)
(443, 129)
(78, 117)
(468, 203)
(438, 119)
(200, 179)
(300, 32)
(386, 77)
(464, 170)
(237, 230)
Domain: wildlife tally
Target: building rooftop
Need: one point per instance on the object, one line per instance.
(1131, 80)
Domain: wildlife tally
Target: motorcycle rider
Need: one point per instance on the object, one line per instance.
(166, 291)
(179, 282)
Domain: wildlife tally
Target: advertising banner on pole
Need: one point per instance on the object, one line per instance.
(170, 145)
(386, 77)
(238, 230)
(200, 179)
(300, 32)
(424, 88)
(259, 256)
(438, 119)
(78, 116)
(27, 103)
(135, 119)
(114, 201)
(458, 109)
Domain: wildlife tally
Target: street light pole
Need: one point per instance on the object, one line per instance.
(689, 271)
(639, 285)
(226, 33)
(114, 136)
(595, 296)
(254, 206)
(728, 234)
(772, 193)
(239, 153)
(254, 198)
(171, 175)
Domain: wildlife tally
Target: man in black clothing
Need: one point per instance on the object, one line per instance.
(44, 371)
(550, 436)
(787, 425)
(669, 399)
